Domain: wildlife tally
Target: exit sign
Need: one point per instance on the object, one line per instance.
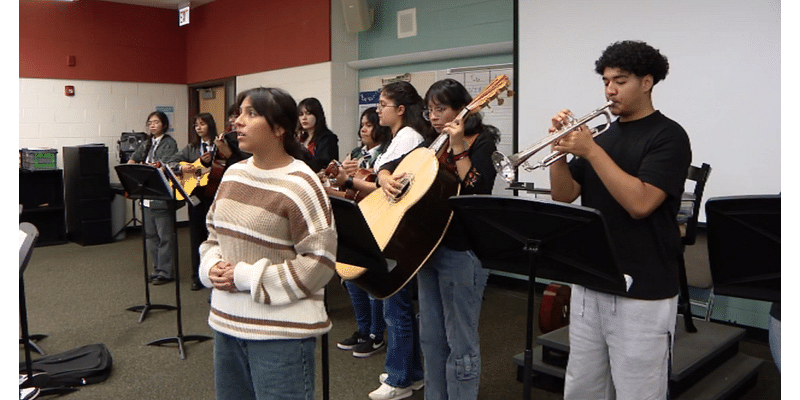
(183, 16)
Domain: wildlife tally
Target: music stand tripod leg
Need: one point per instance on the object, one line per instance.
(179, 338)
(532, 249)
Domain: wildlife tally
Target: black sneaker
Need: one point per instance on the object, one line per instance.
(371, 346)
(352, 341)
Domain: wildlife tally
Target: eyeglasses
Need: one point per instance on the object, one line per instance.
(154, 122)
(382, 106)
(437, 111)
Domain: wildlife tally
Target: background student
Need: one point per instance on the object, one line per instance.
(452, 281)
(201, 146)
(319, 141)
(158, 221)
(368, 338)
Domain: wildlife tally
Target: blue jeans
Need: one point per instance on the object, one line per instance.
(368, 310)
(451, 285)
(263, 369)
(403, 355)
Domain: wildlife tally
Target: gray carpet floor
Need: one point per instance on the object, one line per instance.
(79, 295)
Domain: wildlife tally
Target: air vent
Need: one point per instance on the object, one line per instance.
(407, 23)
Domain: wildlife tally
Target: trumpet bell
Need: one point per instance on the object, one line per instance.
(503, 166)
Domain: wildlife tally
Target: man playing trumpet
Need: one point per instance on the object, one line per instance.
(634, 174)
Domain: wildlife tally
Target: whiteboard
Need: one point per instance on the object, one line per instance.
(723, 86)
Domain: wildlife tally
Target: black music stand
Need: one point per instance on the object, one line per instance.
(134, 221)
(28, 236)
(744, 246)
(356, 246)
(179, 338)
(556, 240)
(144, 182)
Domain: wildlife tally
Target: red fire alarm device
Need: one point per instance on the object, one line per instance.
(69, 90)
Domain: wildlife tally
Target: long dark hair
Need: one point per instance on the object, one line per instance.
(382, 135)
(212, 127)
(403, 93)
(314, 107)
(279, 109)
(451, 93)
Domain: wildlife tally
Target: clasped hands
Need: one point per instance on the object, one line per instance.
(221, 276)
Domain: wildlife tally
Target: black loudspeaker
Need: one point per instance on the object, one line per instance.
(358, 15)
(129, 141)
(87, 194)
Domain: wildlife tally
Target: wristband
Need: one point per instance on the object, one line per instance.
(348, 184)
(459, 156)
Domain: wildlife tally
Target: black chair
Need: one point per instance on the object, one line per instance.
(687, 219)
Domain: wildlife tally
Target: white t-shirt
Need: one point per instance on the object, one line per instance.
(404, 141)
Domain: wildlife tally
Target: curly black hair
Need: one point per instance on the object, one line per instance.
(635, 57)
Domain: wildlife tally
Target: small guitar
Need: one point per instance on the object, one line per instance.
(554, 311)
(190, 181)
(332, 171)
(206, 177)
(408, 228)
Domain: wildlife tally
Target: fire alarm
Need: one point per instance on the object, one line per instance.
(69, 90)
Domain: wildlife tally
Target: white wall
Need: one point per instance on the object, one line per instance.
(723, 87)
(98, 113)
(343, 114)
(314, 81)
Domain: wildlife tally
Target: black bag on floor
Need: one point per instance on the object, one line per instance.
(77, 367)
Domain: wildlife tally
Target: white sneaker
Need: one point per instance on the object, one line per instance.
(387, 392)
(28, 393)
(416, 385)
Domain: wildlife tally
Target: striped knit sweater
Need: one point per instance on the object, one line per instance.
(276, 227)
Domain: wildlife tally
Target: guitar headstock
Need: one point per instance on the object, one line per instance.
(498, 85)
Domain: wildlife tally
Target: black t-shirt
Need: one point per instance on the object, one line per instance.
(656, 150)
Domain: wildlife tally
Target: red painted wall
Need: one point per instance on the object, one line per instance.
(121, 42)
(110, 41)
(237, 37)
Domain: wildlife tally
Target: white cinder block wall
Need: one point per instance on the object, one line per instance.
(98, 113)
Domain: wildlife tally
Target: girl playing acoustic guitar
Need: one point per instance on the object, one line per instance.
(452, 281)
(358, 164)
(201, 147)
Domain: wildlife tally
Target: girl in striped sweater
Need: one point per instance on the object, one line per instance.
(271, 250)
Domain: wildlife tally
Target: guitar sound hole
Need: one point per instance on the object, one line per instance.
(406, 181)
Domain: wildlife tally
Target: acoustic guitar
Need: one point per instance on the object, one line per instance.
(409, 227)
(206, 177)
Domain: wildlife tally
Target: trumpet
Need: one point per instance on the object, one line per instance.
(506, 166)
